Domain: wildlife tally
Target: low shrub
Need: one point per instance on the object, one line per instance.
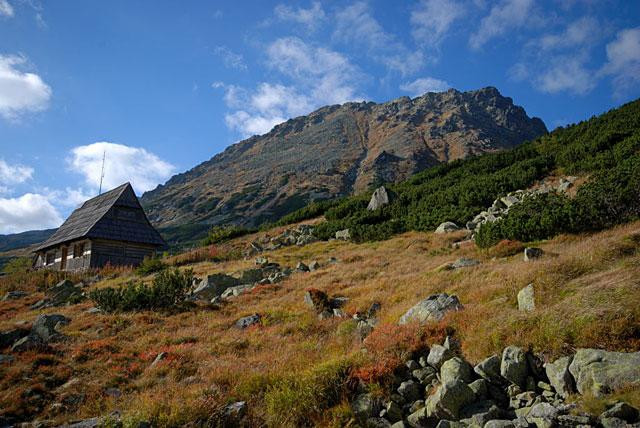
(150, 265)
(168, 289)
(18, 265)
(219, 234)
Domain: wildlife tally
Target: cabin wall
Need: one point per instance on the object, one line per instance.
(73, 262)
(117, 253)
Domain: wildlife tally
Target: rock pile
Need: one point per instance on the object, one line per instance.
(300, 235)
(433, 308)
(438, 388)
(324, 306)
(63, 293)
(43, 331)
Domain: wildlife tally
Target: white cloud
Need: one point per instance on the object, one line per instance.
(623, 60)
(230, 59)
(14, 174)
(569, 73)
(20, 92)
(310, 18)
(317, 75)
(431, 20)
(6, 9)
(423, 85)
(144, 170)
(27, 212)
(356, 25)
(506, 15)
(580, 32)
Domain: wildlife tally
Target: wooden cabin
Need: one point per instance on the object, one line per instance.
(109, 229)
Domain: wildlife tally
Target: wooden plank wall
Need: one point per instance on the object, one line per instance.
(118, 253)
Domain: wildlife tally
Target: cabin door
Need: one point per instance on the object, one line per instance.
(63, 262)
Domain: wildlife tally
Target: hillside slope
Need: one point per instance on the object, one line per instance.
(339, 150)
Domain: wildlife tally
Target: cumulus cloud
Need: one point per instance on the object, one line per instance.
(27, 212)
(6, 9)
(144, 170)
(431, 20)
(580, 32)
(311, 18)
(503, 17)
(423, 85)
(569, 74)
(623, 60)
(14, 174)
(356, 25)
(20, 91)
(317, 76)
(229, 58)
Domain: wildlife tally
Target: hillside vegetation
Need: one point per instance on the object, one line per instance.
(605, 148)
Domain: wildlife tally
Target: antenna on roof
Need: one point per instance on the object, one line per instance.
(104, 154)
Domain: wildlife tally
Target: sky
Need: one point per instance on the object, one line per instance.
(161, 86)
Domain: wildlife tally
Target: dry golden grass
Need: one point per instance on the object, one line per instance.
(294, 369)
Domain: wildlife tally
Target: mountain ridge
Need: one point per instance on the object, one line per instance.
(339, 150)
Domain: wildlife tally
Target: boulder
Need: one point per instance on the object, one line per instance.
(314, 265)
(161, 356)
(489, 369)
(500, 423)
(14, 295)
(365, 406)
(234, 412)
(622, 410)
(425, 375)
(379, 199)
(420, 419)
(31, 342)
(447, 227)
(46, 326)
(479, 388)
(8, 338)
(526, 299)
(251, 276)
(455, 369)
(463, 262)
(248, 321)
(509, 200)
(433, 308)
(394, 411)
(449, 399)
(377, 423)
(514, 366)
(410, 390)
(560, 377)
(531, 253)
(601, 372)
(301, 267)
(343, 235)
(438, 355)
(317, 300)
(64, 292)
(214, 285)
(613, 423)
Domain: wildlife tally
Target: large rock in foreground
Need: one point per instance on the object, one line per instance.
(433, 308)
(600, 372)
(379, 199)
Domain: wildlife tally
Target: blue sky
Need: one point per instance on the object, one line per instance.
(163, 85)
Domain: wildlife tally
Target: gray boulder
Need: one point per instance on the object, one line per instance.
(560, 377)
(613, 423)
(480, 388)
(526, 299)
(449, 399)
(514, 366)
(377, 423)
(14, 295)
(456, 369)
(531, 253)
(343, 235)
(509, 200)
(446, 227)
(31, 342)
(601, 372)
(622, 410)
(420, 419)
(489, 369)
(314, 265)
(433, 308)
(463, 262)
(438, 355)
(366, 406)
(500, 423)
(410, 390)
(379, 199)
(46, 326)
(214, 285)
(234, 412)
(8, 338)
(301, 267)
(248, 321)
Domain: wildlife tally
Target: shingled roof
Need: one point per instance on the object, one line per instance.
(91, 221)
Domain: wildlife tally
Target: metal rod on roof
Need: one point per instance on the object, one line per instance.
(104, 154)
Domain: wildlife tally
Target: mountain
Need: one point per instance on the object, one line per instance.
(24, 239)
(339, 150)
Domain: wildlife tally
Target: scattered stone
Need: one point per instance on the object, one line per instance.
(463, 262)
(526, 299)
(94, 310)
(8, 338)
(449, 399)
(161, 356)
(622, 410)
(262, 261)
(601, 372)
(452, 344)
(425, 375)
(314, 265)
(514, 366)
(489, 369)
(365, 406)
(455, 369)
(394, 411)
(31, 342)
(46, 327)
(14, 295)
(613, 423)
(409, 390)
(479, 388)
(509, 200)
(433, 308)
(377, 423)
(379, 199)
(412, 365)
(438, 355)
(447, 227)
(248, 321)
(301, 267)
(234, 412)
(500, 423)
(214, 285)
(344, 235)
(560, 377)
(531, 253)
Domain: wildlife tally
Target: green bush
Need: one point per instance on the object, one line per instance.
(219, 234)
(150, 265)
(18, 265)
(168, 289)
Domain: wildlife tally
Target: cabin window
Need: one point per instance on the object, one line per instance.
(50, 258)
(78, 250)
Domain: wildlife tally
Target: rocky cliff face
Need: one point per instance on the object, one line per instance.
(339, 150)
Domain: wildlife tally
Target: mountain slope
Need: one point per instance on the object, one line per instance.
(24, 239)
(336, 151)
